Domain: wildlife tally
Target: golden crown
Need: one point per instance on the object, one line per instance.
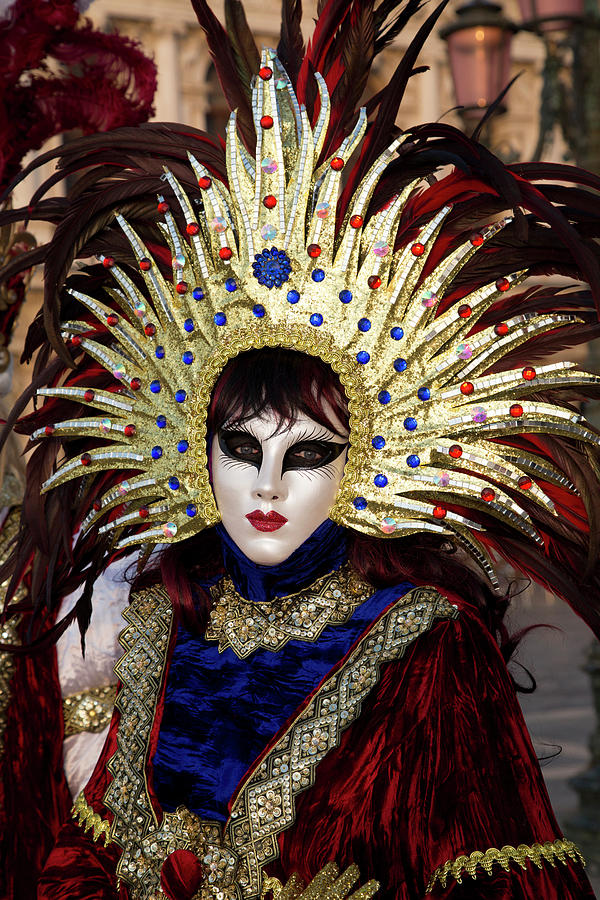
(264, 265)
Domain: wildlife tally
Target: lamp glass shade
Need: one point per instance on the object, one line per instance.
(480, 65)
(549, 13)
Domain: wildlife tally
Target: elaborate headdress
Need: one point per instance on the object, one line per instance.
(320, 239)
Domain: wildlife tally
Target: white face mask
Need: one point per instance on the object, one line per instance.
(274, 489)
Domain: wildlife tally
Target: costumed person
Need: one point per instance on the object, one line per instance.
(312, 372)
(57, 74)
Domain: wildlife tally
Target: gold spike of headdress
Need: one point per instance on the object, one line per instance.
(265, 267)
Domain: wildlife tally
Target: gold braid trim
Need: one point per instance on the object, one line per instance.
(87, 818)
(550, 852)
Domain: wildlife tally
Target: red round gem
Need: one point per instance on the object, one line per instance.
(501, 329)
(225, 253)
(192, 228)
(163, 206)
(150, 329)
(528, 373)
(143, 512)
(337, 163)
(374, 281)
(455, 451)
(516, 410)
(112, 319)
(439, 512)
(476, 239)
(96, 506)
(204, 182)
(417, 249)
(525, 482)
(464, 311)
(270, 201)
(266, 122)
(488, 495)
(356, 221)
(89, 396)
(108, 262)
(49, 430)
(76, 340)
(503, 284)
(135, 384)
(181, 287)
(85, 459)
(265, 73)
(129, 430)
(313, 250)
(145, 264)
(467, 387)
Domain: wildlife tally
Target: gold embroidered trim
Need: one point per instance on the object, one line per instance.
(87, 818)
(264, 807)
(245, 626)
(550, 852)
(327, 884)
(89, 710)
(9, 631)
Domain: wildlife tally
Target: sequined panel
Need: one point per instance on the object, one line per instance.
(522, 855)
(89, 710)
(245, 627)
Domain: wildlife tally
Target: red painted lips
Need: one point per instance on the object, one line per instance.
(270, 521)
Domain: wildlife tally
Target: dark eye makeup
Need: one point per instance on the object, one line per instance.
(306, 454)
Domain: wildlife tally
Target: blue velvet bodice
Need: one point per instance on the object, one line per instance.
(221, 711)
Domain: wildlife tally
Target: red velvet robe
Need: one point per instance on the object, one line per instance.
(438, 764)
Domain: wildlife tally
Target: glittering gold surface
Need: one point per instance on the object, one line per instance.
(89, 710)
(536, 853)
(400, 464)
(88, 819)
(327, 884)
(245, 626)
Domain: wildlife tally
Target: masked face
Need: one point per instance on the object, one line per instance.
(274, 488)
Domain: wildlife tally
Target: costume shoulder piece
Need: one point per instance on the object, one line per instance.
(316, 230)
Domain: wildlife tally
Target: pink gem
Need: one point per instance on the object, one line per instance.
(388, 525)
(479, 415)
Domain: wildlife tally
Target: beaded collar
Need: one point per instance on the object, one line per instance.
(246, 626)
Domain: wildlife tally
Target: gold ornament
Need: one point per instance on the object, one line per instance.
(262, 264)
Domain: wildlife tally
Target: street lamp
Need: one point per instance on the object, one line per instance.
(479, 51)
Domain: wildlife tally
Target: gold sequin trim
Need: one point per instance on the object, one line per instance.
(559, 849)
(89, 710)
(87, 818)
(245, 626)
(327, 884)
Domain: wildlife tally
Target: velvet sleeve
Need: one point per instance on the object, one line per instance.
(439, 765)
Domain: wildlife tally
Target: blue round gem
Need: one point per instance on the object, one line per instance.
(173, 483)
(160, 352)
(161, 421)
(316, 319)
(413, 461)
(180, 396)
(182, 446)
(191, 510)
(155, 387)
(188, 357)
(231, 285)
(380, 481)
(219, 318)
(400, 364)
(317, 274)
(272, 268)
(189, 325)
(397, 333)
(156, 452)
(258, 310)
(359, 503)
(345, 296)
(293, 296)
(363, 357)
(378, 442)
(410, 424)
(364, 324)
(384, 396)
(423, 393)
(198, 293)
